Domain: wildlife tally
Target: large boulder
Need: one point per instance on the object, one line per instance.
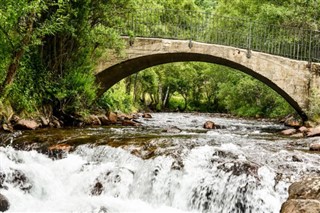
(305, 189)
(26, 124)
(4, 203)
(304, 196)
(301, 206)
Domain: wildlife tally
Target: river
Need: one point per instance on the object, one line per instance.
(244, 167)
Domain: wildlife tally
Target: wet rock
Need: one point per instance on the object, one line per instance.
(135, 116)
(104, 120)
(97, 189)
(19, 179)
(289, 131)
(147, 115)
(2, 178)
(124, 117)
(296, 158)
(56, 123)
(314, 132)
(304, 196)
(224, 154)
(298, 135)
(130, 123)
(303, 129)
(7, 128)
(305, 189)
(112, 117)
(209, 125)
(292, 122)
(26, 124)
(58, 151)
(93, 120)
(44, 121)
(4, 203)
(315, 146)
(177, 164)
(172, 130)
(301, 206)
(239, 168)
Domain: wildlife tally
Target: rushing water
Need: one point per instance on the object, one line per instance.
(244, 167)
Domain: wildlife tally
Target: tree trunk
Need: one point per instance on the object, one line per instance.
(135, 88)
(166, 97)
(17, 55)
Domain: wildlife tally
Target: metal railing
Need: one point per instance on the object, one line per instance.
(290, 42)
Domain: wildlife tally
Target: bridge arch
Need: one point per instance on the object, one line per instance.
(289, 78)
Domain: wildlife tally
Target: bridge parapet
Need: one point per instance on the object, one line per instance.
(290, 42)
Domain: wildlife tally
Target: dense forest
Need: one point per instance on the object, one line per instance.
(48, 51)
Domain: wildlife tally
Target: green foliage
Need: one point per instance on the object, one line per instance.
(314, 109)
(60, 41)
(116, 99)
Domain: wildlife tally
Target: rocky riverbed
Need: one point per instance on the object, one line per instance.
(168, 161)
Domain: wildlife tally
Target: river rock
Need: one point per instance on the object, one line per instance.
(124, 117)
(44, 121)
(97, 189)
(19, 179)
(112, 117)
(303, 129)
(172, 130)
(239, 168)
(305, 189)
(295, 158)
(4, 203)
(130, 123)
(314, 132)
(289, 131)
(304, 196)
(209, 125)
(147, 115)
(315, 146)
(58, 151)
(26, 124)
(135, 116)
(55, 123)
(7, 127)
(104, 120)
(292, 122)
(298, 135)
(301, 206)
(93, 120)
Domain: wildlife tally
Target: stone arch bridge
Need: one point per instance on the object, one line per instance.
(292, 79)
(285, 59)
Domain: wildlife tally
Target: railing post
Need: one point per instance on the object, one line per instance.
(249, 41)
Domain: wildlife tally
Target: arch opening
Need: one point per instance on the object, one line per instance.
(110, 76)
